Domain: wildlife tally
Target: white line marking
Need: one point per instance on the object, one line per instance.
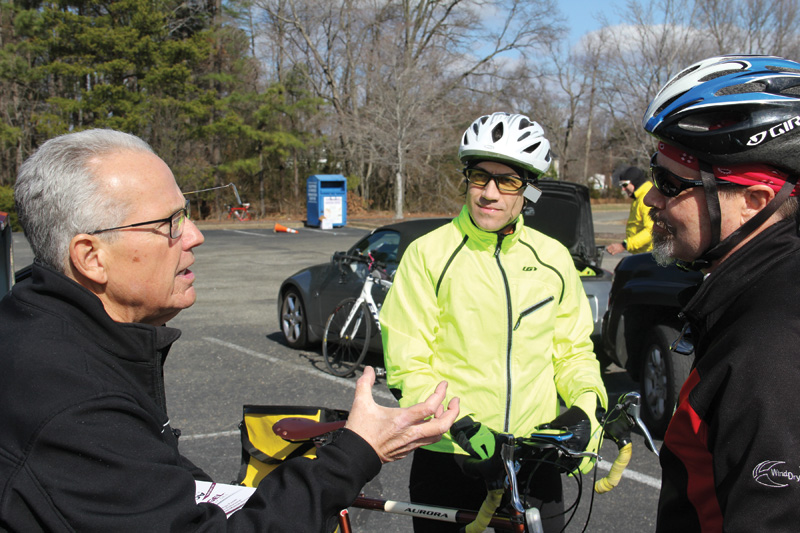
(633, 475)
(303, 368)
(330, 232)
(244, 232)
(230, 433)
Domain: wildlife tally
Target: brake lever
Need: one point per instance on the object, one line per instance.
(507, 455)
(632, 406)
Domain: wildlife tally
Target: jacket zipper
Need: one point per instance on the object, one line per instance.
(508, 322)
(531, 309)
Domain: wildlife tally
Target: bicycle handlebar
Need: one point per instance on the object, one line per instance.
(377, 269)
(617, 425)
(367, 260)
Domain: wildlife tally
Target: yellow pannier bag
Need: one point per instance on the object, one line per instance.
(263, 451)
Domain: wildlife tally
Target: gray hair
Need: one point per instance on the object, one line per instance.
(58, 195)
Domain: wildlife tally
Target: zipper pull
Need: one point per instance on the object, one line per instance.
(499, 244)
(531, 309)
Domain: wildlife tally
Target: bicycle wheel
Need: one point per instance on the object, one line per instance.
(345, 343)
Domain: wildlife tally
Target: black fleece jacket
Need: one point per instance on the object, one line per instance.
(731, 454)
(85, 440)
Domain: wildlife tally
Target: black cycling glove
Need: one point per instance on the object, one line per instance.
(576, 421)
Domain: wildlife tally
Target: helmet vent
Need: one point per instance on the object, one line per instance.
(524, 135)
(530, 149)
(719, 74)
(707, 122)
(497, 132)
(465, 142)
(742, 88)
(524, 123)
(783, 69)
(667, 104)
(679, 76)
(689, 125)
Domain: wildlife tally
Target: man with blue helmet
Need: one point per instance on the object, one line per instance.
(724, 202)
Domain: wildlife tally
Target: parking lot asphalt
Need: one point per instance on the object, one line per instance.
(232, 353)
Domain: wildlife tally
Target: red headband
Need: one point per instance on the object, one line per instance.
(751, 174)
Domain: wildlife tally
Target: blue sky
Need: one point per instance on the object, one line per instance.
(582, 14)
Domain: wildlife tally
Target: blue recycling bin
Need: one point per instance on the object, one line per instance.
(326, 196)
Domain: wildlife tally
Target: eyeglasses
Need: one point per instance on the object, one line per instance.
(504, 182)
(175, 220)
(624, 184)
(668, 183)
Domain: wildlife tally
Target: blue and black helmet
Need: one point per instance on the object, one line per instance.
(731, 110)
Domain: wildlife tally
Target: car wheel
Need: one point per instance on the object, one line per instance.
(662, 375)
(293, 319)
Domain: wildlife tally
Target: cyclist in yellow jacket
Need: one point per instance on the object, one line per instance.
(498, 310)
(639, 230)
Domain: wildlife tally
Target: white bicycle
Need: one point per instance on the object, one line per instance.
(349, 328)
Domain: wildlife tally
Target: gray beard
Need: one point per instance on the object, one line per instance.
(664, 250)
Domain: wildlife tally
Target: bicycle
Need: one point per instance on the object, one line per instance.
(348, 329)
(514, 453)
(242, 214)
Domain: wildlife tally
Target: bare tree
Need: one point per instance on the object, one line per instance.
(383, 65)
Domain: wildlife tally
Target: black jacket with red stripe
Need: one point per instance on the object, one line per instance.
(731, 455)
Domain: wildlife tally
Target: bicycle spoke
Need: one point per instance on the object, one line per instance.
(346, 342)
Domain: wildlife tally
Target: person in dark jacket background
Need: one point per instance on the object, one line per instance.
(86, 442)
(724, 202)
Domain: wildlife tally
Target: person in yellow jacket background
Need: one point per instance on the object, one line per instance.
(498, 310)
(639, 229)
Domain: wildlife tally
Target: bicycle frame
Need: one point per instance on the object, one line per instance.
(430, 512)
(519, 520)
(348, 330)
(366, 297)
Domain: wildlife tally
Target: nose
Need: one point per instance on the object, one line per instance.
(490, 190)
(192, 236)
(654, 198)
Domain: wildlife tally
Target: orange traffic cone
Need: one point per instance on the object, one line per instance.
(280, 228)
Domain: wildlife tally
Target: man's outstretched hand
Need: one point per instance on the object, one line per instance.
(394, 432)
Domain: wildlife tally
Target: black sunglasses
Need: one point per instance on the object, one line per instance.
(668, 183)
(176, 222)
(504, 182)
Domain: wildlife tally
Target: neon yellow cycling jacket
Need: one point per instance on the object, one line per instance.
(639, 229)
(504, 320)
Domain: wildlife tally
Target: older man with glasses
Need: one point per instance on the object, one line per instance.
(86, 443)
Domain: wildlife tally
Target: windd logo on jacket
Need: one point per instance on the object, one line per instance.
(769, 474)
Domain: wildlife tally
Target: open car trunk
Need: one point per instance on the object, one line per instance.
(564, 213)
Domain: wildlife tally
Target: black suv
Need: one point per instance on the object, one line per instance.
(640, 325)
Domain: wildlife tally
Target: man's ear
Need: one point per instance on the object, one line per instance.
(87, 257)
(755, 198)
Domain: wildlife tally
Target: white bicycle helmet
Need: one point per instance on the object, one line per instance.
(514, 140)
